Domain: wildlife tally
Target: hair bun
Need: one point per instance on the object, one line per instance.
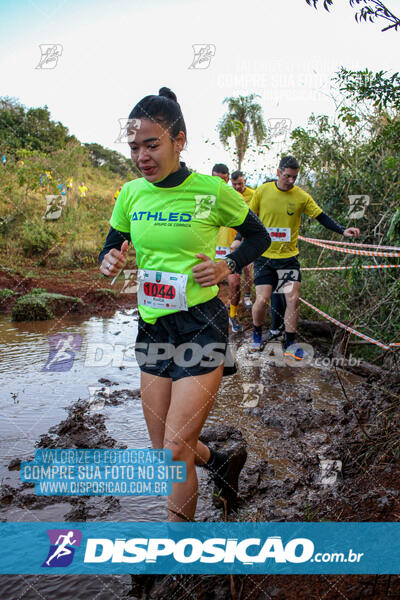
(167, 93)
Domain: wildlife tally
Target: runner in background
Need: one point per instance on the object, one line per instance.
(70, 185)
(116, 193)
(173, 217)
(48, 179)
(82, 190)
(280, 206)
(62, 188)
(222, 171)
(278, 307)
(239, 184)
(42, 182)
(226, 236)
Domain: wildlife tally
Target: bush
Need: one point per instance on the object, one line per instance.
(39, 305)
(32, 307)
(37, 237)
(81, 253)
(6, 293)
(5, 296)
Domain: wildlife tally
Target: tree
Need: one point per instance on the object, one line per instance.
(30, 129)
(356, 154)
(243, 119)
(110, 159)
(384, 92)
(371, 9)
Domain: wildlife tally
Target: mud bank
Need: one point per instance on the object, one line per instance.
(297, 430)
(302, 418)
(91, 291)
(81, 429)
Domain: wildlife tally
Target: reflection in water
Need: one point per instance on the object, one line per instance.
(32, 400)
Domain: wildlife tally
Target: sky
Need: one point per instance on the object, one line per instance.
(113, 54)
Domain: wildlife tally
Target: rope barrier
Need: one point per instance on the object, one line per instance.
(330, 242)
(331, 245)
(349, 250)
(350, 329)
(351, 267)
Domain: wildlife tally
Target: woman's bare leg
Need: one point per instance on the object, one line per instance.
(191, 401)
(156, 398)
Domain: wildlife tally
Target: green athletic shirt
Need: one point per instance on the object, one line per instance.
(169, 226)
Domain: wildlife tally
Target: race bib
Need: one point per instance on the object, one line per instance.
(222, 251)
(279, 234)
(160, 289)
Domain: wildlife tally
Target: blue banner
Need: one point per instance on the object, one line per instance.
(103, 472)
(208, 548)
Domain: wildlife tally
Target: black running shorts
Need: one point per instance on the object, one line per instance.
(275, 271)
(186, 343)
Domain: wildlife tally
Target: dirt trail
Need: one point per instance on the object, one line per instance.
(296, 419)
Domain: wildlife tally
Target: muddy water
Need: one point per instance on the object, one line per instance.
(259, 401)
(32, 400)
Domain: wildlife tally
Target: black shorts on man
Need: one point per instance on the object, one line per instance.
(276, 272)
(186, 343)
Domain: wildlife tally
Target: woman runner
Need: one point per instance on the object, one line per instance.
(172, 216)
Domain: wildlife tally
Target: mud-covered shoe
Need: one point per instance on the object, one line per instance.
(272, 336)
(225, 477)
(235, 324)
(257, 343)
(247, 302)
(295, 351)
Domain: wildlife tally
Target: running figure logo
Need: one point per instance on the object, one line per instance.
(204, 205)
(203, 54)
(50, 55)
(128, 128)
(63, 543)
(251, 394)
(279, 129)
(62, 351)
(358, 204)
(286, 279)
(130, 285)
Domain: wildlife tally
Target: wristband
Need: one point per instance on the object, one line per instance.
(232, 266)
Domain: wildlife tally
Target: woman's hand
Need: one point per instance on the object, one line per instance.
(114, 260)
(209, 272)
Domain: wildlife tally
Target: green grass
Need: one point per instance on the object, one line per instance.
(39, 305)
(6, 293)
(73, 241)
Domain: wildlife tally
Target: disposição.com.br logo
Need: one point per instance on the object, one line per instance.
(63, 543)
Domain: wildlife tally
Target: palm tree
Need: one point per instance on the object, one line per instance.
(244, 118)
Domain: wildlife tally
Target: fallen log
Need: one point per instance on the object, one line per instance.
(370, 371)
(317, 328)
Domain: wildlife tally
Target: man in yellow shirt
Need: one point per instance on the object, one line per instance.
(116, 193)
(226, 236)
(82, 190)
(239, 184)
(280, 205)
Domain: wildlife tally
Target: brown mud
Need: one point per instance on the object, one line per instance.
(95, 291)
(302, 417)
